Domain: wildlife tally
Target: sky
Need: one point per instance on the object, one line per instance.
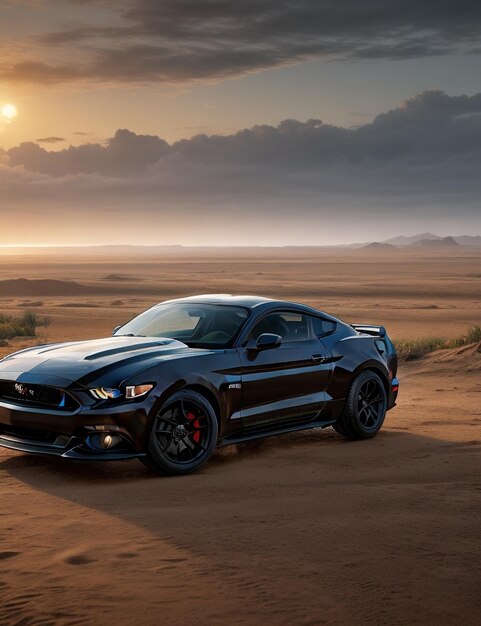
(218, 122)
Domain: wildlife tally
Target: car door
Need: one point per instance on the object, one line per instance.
(287, 383)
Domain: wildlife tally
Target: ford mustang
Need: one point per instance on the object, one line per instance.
(191, 374)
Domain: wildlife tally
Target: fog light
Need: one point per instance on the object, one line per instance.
(107, 441)
(102, 441)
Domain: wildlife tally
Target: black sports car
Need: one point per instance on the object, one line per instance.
(190, 374)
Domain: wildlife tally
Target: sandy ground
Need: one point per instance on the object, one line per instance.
(299, 529)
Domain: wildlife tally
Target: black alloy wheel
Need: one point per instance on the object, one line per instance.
(184, 434)
(370, 404)
(365, 407)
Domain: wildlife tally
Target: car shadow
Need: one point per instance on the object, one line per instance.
(85, 471)
(275, 451)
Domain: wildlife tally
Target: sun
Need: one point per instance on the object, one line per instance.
(9, 112)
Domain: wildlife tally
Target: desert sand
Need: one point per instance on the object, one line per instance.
(300, 529)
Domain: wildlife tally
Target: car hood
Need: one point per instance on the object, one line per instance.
(111, 359)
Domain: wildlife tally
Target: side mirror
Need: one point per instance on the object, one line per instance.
(116, 329)
(265, 342)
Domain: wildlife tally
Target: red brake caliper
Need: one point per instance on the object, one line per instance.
(196, 424)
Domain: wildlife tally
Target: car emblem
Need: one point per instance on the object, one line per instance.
(22, 389)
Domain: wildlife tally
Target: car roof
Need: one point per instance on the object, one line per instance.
(225, 298)
(251, 302)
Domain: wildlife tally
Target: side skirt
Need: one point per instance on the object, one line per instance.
(227, 441)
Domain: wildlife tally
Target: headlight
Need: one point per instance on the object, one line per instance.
(131, 392)
(135, 391)
(105, 393)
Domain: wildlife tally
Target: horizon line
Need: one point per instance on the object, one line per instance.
(180, 245)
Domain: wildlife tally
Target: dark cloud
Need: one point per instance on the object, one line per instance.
(424, 153)
(125, 153)
(50, 139)
(187, 40)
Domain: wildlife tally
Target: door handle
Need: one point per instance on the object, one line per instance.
(318, 358)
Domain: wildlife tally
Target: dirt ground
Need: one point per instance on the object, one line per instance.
(299, 529)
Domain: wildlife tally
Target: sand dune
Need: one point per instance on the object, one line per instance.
(465, 359)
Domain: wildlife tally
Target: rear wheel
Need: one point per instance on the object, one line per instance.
(365, 408)
(184, 434)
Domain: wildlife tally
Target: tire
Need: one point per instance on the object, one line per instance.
(365, 408)
(183, 436)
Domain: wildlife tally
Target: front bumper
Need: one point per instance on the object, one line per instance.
(73, 448)
(68, 435)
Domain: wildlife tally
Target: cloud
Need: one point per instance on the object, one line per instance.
(125, 154)
(50, 139)
(419, 158)
(182, 41)
(425, 132)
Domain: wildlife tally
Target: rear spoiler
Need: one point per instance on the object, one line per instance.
(369, 329)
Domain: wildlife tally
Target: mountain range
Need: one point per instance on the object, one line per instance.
(431, 240)
(425, 240)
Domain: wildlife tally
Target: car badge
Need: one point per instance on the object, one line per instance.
(23, 390)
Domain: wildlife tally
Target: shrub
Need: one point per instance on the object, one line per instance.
(47, 321)
(474, 334)
(29, 323)
(411, 349)
(13, 326)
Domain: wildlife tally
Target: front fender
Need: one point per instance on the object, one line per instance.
(220, 385)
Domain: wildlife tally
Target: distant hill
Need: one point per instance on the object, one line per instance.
(469, 240)
(401, 240)
(424, 239)
(445, 242)
(378, 245)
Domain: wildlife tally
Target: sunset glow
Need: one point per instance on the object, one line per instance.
(9, 112)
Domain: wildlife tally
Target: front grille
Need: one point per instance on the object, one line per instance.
(37, 396)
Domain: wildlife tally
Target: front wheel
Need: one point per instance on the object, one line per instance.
(365, 408)
(184, 434)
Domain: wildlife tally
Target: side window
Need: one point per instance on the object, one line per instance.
(289, 325)
(297, 325)
(321, 327)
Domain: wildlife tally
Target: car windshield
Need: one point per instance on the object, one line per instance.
(197, 325)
